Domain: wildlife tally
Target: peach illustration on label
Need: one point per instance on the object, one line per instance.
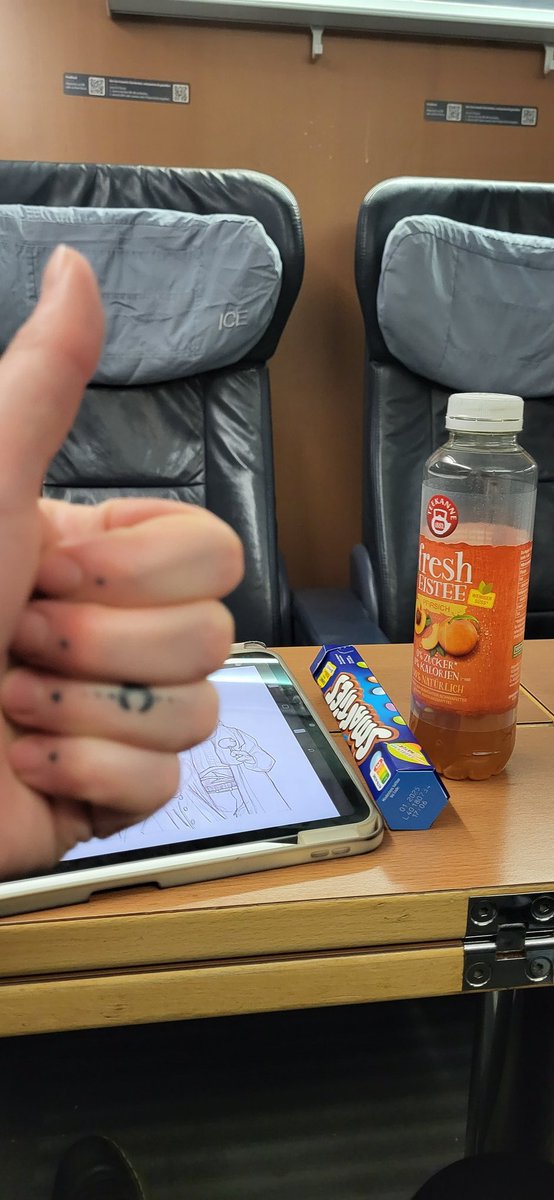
(458, 636)
(421, 619)
(432, 638)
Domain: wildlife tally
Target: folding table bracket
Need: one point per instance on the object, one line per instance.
(509, 942)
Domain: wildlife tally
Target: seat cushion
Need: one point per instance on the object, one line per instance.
(467, 307)
(183, 293)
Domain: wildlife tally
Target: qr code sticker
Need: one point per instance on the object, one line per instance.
(180, 93)
(453, 112)
(96, 85)
(529, 116)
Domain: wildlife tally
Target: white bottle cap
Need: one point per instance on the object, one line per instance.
(484, 412)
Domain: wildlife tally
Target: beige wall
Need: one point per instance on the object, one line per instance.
(329, 130)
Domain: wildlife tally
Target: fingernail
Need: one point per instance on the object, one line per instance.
(55, 270)
(59, 573)
(31, 633)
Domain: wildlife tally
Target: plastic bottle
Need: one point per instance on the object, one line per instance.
(477, 512)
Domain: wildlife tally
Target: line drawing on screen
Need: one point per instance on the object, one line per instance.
(222, 780)
(252, 774)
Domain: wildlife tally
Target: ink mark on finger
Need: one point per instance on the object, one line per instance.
(100, 581)
(53, 756)
(56, 697)
(134, 697)
(63, 644)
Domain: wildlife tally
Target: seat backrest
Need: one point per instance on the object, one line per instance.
(207, 438)
(404, 412)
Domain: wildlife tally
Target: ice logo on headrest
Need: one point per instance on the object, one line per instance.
(357, 718)
(232, 318)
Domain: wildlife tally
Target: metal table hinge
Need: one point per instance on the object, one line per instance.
(509, 942)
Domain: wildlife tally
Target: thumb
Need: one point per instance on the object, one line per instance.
(43, 373)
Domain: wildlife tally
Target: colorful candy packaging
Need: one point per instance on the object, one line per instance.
(401, 779)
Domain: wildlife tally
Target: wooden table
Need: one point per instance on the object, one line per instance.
(385, 925)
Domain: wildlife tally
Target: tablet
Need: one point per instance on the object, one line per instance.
(269, 788)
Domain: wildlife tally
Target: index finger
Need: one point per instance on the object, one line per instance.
(65, 522)
(167, 559)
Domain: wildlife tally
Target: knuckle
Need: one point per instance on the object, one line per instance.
(231, 560)
(167, 773)
(165, 783)
(198, 709)
(148, 778)
(81, 773)
(225, 551)
(205, 715)
(217, 633)
(70, 633)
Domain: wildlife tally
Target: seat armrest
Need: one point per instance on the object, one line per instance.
(332, 616)
(362, 581)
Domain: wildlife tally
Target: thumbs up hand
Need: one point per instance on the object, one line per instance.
(110, 616)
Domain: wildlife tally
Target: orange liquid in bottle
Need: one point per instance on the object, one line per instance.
(465, 665)
(464, 747)
(478, 501)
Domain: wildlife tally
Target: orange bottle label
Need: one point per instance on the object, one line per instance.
(470, 621)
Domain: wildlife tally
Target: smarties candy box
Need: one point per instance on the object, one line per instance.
(402, 781)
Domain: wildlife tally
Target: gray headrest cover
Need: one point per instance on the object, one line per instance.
(183, 293)
(469, 308)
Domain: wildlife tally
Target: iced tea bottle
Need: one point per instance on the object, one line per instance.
(477, 511)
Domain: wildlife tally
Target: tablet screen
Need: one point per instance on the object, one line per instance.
(266, 770)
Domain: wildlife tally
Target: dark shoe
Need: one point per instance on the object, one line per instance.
(95, 1169)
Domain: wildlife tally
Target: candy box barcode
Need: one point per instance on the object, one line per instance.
(402, 781)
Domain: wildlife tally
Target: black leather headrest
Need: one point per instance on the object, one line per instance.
(511, 207)
(245, 193)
